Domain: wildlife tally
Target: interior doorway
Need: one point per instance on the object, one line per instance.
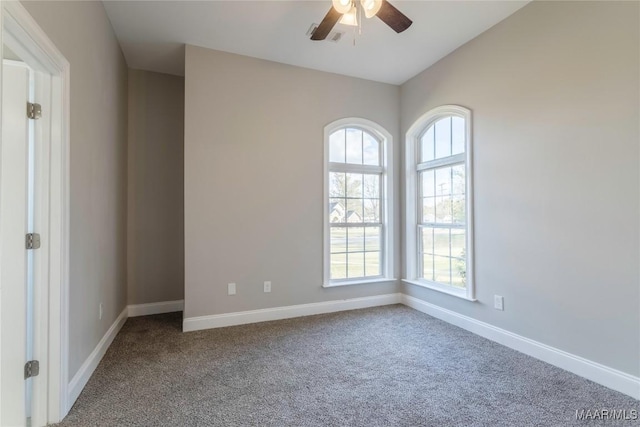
(34, 188)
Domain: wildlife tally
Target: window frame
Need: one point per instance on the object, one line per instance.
(413, 168)
(387, 199)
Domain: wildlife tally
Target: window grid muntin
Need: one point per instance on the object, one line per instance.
(364, 131)
(433, 126)
(362, 252)
(363, 169)
(432, 165)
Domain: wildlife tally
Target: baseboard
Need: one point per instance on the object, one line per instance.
(277, 313)
(136, 310)
(81, 378)
(604, 375)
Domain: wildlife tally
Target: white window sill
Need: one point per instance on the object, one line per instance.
(358, 282)
(460, 293)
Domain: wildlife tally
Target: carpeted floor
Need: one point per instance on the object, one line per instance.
(385, 366)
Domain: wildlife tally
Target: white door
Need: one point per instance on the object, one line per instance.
(14, 223)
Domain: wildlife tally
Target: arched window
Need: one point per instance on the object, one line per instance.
(357, 218)
(439, 202)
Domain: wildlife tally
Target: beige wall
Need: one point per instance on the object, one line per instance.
(554, 91)
(253, 178)
(156, 188)
(83, 34)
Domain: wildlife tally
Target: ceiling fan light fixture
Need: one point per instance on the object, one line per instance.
(371, 7)
(347, 11)
(342, 6)
(350, 18)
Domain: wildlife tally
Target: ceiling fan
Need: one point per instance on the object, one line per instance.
(347, 10)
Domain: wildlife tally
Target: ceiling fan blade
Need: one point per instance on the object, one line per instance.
(330, 20)
(393, 17)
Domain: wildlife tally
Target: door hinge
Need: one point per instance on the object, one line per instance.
(31, 369)
(33, 241)
(34, 111)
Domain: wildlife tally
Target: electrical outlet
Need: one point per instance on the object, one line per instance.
(100, 311)
(498, 302)
(231, 288)
(267, 286)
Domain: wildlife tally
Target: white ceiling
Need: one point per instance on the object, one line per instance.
(152, 34)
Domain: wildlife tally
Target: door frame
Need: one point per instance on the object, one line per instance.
(51, 326)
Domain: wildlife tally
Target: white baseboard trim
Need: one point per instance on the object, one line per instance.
(277, 313)
(81, 378)
(136, 310)
(608, 377)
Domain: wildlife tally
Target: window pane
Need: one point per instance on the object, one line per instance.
(428, 183)
(441, 241)
(372, 239)
(354, 146)
(458, 135)
(459, 272)
(429, 209)
(370, 150)
(427, 266)
(337, 209)
(338, 239)
(354, 212)
(371, 210)
(427, 240)
(355, 199)
(442, 269)
(355, 264)
(443, 181)
(458, 209)
(443, 210)
(371, 186)
(338, 266)
(427, 146)
(354, 185)
(372, 264)
(458, 243)
(355, 239)
(441, 199)
(337, 146)
(443, 137)
(337, 184)
(458, 181)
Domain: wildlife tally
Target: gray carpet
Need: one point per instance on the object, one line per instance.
(386, 366)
